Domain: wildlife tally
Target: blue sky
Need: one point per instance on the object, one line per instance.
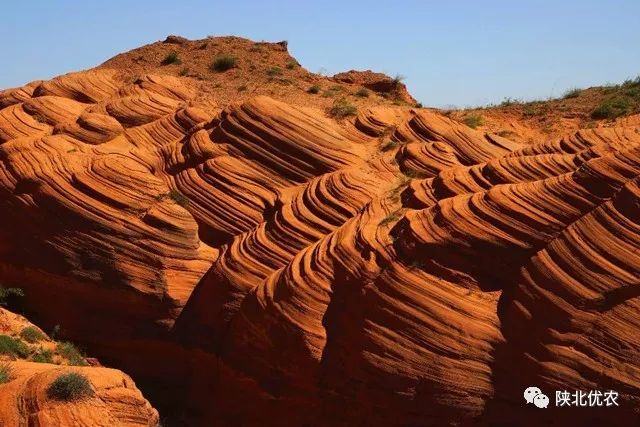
(459, 53)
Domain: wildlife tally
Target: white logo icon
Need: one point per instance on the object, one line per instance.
(534, 395)
(541, 401)
(530, 393)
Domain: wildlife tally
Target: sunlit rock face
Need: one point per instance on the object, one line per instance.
(261, 262)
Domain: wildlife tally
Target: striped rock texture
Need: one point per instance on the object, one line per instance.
(262, 264)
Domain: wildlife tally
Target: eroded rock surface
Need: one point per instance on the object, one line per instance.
(260, 262)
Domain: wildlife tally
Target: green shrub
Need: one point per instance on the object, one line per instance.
(55, 332)
(389, 146)
(13, 347)
(313, 89)
(390, 218)
(71, 353)
(632, 82)
(362, 93)
(280, 80)
(572, 93)
(243, 88)
(203, 46)
(274, 71)
(184, 71)
(172, 58)
(223, 63)
(292, 64)
(416, 174)
(5, 373)
(31, 334)
(179, 198)
(508, 102)
(632, 92)
(43, 356)
(504, 133)
(68, 387)
(611, 109)
(530, 110)
(333, 90)
(341, 109)
(472, 121)
(10, 295)
(417, 265)
(175, 196)
(399, 78)
(40, 118)
(419, 105)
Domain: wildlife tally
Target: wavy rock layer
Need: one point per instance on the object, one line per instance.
(263, 262)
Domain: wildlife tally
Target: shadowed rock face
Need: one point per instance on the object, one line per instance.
(262, 262)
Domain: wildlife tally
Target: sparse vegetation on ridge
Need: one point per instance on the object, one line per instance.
(399, 78)
(607, 102)
(611, 109)
(621, 100)
(341, 108)
(572, 93)
(472, 120)
(71, 353)
(508, 101)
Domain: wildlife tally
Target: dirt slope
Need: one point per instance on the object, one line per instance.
(607, 106)
(249, 259)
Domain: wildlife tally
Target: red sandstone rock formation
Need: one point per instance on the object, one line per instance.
(114, 399)
(258, 262)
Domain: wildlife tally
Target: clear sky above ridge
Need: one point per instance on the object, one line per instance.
(461, 53)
